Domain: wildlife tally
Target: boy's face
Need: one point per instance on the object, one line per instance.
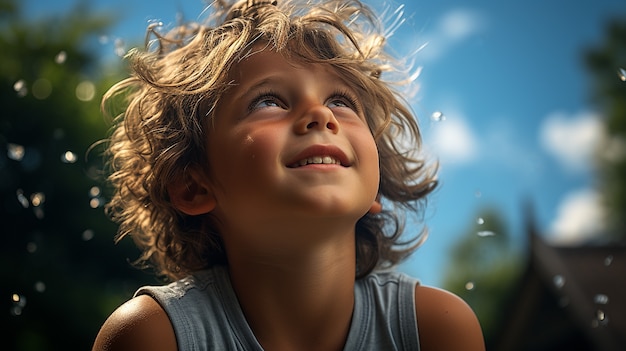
(290, 143)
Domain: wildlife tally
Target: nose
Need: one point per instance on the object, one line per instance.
(317, 118)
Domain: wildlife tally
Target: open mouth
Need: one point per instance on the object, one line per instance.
(316, 160)
(320, 155)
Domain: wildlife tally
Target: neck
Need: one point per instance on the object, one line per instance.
(297, 300)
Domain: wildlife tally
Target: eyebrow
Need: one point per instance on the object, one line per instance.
(241, 93)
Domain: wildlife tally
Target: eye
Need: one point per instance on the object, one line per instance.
(338, 103)
(265, 100)
(344, 99)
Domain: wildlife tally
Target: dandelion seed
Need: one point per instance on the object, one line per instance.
(601, 299)
(37, 199)
(60, 57)
(120, 49)
(621, 73)
(15, 152)
(69, 157)
(600, 319)
(154, 24)
(88, 235)
(20, 88)
(94, 191)
(21, 198)
(95, 202)
(438, 116)
(558, 281)
(19, 302)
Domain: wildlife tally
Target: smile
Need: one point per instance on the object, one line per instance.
(319, 155)
(316, 160)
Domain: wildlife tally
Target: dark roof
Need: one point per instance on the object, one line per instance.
(569, 298)
(590, 282)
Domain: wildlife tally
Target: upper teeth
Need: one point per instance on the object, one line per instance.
(319, 160)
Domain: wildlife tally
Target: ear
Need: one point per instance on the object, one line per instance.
(192, 195)
(376, 207)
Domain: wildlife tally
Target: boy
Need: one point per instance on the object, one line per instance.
(251, 167)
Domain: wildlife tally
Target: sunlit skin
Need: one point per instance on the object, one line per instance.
(267, 128)
(289, 226)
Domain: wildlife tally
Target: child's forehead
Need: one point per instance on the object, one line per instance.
(266, 62)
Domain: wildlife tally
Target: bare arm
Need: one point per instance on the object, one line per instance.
(446, 322)
(139, 324)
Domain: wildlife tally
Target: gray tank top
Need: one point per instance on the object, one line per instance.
(206, 315)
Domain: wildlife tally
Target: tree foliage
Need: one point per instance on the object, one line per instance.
(483, 269)
(61, 273)
(607, 65)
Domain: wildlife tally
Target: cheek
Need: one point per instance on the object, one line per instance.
(258, 150)
(369, 157)
(375, 171)
(244, 156)
(369, 146)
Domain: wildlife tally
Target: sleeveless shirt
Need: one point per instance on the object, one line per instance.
(206, 315)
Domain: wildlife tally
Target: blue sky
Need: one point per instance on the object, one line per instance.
(508, 78)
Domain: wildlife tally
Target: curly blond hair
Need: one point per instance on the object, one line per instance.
(177, 81)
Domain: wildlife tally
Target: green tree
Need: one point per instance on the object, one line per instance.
(483, 269)
(607, 65)
(61, 274)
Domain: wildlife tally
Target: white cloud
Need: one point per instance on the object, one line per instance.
(452, 28)
(580, 217)
(459, 24)
(453, 141)
(572, 139)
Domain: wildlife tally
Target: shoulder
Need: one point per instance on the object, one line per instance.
(446, 322)
(138, 324)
